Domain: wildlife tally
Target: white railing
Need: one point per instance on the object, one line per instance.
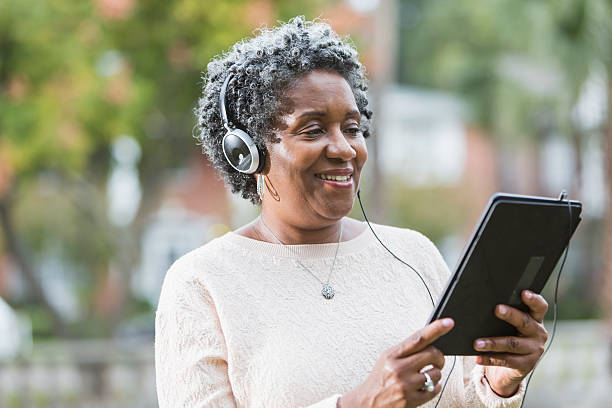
(84, 373)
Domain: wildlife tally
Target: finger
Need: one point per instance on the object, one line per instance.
(430, 355)
(509, 344)
(524, 323)
(538, 306)
(422, 338)
(519, 362)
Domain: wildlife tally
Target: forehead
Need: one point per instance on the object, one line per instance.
(320, 90)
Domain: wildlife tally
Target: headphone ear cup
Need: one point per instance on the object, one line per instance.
(241, 152)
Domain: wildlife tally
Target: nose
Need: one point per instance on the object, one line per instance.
(339, 147)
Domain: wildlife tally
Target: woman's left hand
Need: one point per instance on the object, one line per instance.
(510, 359)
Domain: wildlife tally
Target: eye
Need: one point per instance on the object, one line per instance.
(353, 130)
(314, 132)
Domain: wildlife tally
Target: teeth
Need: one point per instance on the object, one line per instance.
(335, 178)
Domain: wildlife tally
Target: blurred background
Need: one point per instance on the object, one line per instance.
(102, 186)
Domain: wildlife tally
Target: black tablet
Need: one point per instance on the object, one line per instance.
(515, 246)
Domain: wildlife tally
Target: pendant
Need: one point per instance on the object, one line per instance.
(327, 292)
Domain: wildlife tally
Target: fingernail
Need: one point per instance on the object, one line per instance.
(480, 344)
(528, 294)
(447, 322)
(503, 310)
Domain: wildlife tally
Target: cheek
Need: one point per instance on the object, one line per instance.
(289, 162)
(281, 159)
(362, 153)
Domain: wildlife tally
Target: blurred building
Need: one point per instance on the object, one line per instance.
(422, 136)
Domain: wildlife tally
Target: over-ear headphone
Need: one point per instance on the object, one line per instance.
(238, 147)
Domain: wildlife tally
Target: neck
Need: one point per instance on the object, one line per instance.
(294, 235)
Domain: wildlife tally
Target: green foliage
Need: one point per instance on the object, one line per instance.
(42, 327)
(13, 400)
(434, 211)
(459, 46)
(45, 81)
(454, 45)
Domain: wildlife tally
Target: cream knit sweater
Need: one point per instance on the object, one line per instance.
(241, 324)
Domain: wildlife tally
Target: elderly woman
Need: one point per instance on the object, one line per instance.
(303, 306)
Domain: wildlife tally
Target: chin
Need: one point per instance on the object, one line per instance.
(336, 210)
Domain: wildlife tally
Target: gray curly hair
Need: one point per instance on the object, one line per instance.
(263, 67)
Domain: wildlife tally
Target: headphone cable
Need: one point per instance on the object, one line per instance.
(420, 277)
(555, 307)
(395, 256)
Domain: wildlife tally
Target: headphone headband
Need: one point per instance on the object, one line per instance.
(222, 106)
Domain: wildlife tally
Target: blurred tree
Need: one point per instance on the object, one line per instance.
(74, 76)
(48, 92)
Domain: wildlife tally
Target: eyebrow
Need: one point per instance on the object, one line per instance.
(320, 113)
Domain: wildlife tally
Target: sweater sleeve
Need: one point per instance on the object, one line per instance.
(478, 392)
(191, 356)
(190, 351)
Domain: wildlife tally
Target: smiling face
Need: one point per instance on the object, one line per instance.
(314, 169)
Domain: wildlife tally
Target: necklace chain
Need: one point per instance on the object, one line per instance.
(328, 291)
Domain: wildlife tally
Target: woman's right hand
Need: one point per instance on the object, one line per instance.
(396, 380)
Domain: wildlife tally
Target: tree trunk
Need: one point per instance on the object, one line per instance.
(383, 72)
(576, 140)
(607, 236)
(129, 254)
(18, 254)
(537, 184)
